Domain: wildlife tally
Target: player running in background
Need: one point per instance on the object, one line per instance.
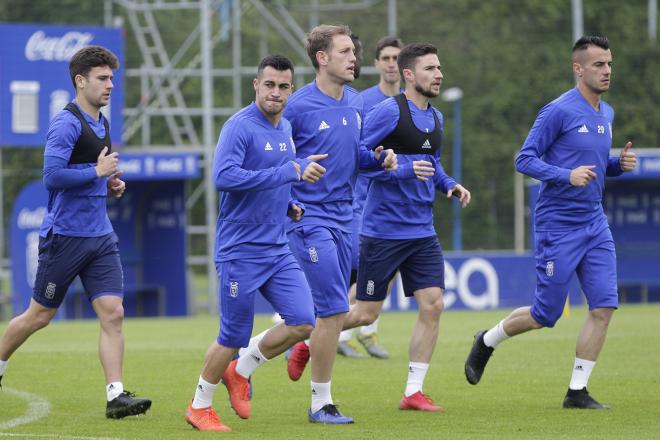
(568, 150)
(387, 52)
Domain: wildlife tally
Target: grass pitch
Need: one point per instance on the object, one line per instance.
(519, 396)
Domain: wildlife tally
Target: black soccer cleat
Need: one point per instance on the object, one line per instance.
(0, 381)
(477, 359)
(581, 399)
(126, 405)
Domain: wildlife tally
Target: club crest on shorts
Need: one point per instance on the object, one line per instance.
(550, 268)
(313, 255)
(370, 287)
(50, 290)
(233, 289)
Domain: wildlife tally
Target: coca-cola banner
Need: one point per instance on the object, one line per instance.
(35, 83)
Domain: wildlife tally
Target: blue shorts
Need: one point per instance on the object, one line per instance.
(590, 253)
(420, 261)
(62, 258)
(325, 256)
(278, 278)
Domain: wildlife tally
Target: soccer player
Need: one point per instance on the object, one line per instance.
(76, 237)
(326, 118)
(567, 149)
(397, 227)
(387, 52)
(255, 163)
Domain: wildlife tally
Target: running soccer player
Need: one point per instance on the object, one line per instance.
(397, 227)
(76, 237)
(326, 118)
(387, 52)
(254, 165)
(568, 150)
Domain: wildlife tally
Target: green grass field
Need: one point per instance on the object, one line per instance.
(519, 397)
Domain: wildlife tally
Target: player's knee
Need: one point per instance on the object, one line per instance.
(535, 325)
(301, 332)
(602, 315)
(40, 320)
(114, 316)
(432, 309)
(367, 317)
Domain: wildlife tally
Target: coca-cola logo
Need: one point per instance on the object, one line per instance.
(41, 47)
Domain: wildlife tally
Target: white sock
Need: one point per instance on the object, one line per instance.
(321, 395)
(346, 335)
(253, 341)
(3, 367)
(416, 373)
(203, 394)
(581, 372)
(371, 328)
(250, 361)
(113, 390)
(495, 335)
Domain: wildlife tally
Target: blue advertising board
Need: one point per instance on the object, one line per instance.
(475, 281)
(35, 83)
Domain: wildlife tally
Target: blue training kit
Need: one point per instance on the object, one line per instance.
(571, 230)
(322, 239)
(253, 170)
(76, 237)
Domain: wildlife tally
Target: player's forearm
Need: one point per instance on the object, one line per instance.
(234, 178)
(534, 167)
(57, 176)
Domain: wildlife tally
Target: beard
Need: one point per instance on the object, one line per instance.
(425, 92)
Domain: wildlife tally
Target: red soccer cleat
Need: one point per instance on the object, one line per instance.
(205, 419)
(239, 390)
(420, 402)
(297, 360)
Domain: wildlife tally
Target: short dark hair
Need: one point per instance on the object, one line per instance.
(320, 39)
(358, 55)
(410, 52)
(277, 62)
(592, 40)
(89, 57)
(387, 42)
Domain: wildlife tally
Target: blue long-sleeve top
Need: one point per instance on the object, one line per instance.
(322, 124)
(76, 196)
(253, 170)
(568, 133)
(398, 205)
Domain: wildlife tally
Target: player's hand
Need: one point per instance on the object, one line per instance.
(390, 162)
(116, 186)
(107, 165)
(423, 169)
(314, 171)
(295, 213)
(463, 195)
(582, 175)
(627, 158)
